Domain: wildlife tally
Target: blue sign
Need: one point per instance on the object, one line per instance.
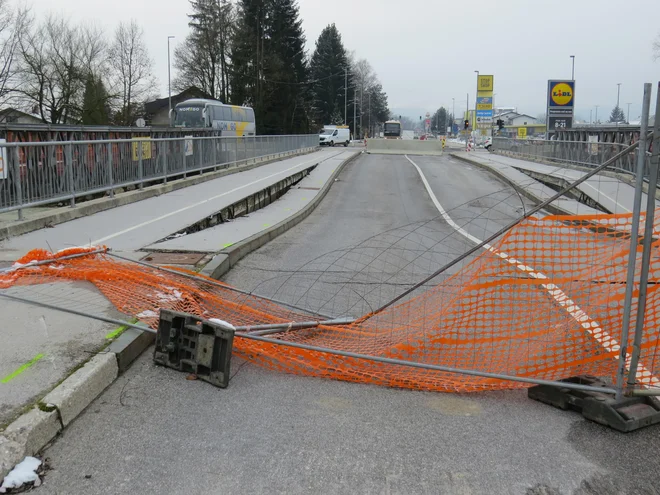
(484, 100)
(485, 113)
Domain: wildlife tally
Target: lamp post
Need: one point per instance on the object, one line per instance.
(453, 114)
(628, 118)
(618, 93)
(476, 99)
(169, 79)
(572, 67)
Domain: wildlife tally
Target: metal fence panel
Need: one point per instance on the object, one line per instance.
(38, 173)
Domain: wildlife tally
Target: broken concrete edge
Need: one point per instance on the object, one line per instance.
(227, 259)
(66, 213)
(555, 210)
(40, 425)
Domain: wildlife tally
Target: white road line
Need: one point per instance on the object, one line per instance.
(601, 193)
(195, 205)
(644, 376)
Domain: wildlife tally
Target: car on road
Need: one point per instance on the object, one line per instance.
(335, 135)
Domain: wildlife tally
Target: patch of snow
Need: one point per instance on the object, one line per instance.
(64, 250)
(175, 296)
(56, 267)
(148, 314)
(222, 323)
(24, 472)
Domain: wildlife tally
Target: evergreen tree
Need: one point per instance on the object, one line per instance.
(440, 120)
(327, 73)
(617, 115)
(203, 58)
(95, 109)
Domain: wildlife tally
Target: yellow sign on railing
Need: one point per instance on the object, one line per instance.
(522, 132)
(146, 148)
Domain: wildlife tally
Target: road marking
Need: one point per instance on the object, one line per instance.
(20, 370)
(195, 205)
(601, 193)
(592, 327)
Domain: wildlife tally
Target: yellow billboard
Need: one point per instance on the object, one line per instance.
(522, 132)
(484, 83)
(146, 148)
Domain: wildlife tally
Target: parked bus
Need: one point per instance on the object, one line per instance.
(392, 129)
(231, 119)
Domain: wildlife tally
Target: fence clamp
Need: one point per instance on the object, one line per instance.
(189, 344)
(625, 415)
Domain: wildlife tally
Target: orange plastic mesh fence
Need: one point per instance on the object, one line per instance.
(545, 301)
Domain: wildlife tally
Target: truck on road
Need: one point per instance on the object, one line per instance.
(335, 134)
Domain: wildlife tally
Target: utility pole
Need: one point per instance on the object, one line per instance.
(169, 79)
(361, 103)
(369, 133)
(453, 114)
(591, 113)
(596, 119)
(618, 93)
(346, 95)
(354, 115)
(476, 99)
(628, 118)
(467, 117)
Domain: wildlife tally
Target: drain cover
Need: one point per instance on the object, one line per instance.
(173, 258)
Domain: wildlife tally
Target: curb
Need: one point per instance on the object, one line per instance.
(38, 427)
(223, 261)
(34, 430)
(102, 204)
(555, 210)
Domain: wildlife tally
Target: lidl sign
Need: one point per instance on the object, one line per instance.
(561, 93)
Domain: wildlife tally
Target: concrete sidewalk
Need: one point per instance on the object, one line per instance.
(526, 185)
(612, 194)
(42, 347)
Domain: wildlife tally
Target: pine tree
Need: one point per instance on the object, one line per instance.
(617, 115)
(203, 58)
(327, 68)
(95, 109)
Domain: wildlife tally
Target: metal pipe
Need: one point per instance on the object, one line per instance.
(217, 284)
(285, 327)
(53, 260)
(512, 224)
(648, 239)
(411, 364)
(645, 392)
(78, 313)
(632, 253)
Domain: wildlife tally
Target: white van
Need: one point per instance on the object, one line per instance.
(331, 135)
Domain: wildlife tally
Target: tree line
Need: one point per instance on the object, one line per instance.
(252, 52)
(66, 73)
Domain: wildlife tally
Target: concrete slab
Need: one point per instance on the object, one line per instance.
(614, 195)
(34, 430)
(227, 234)
(525, 184)
(40, 346)
(133, 226)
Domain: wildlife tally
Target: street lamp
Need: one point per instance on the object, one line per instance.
(618, 92)
(628, 118)
(453, 114)
(169, 79)
(476, 99)
(596, 119)
(572, 67)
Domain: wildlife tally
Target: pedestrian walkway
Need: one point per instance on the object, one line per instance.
(506, 170)
(611, 193)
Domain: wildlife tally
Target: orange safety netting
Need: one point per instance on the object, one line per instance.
(546, 301)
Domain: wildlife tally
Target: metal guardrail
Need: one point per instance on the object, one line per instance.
(585, 154)
(40, 173)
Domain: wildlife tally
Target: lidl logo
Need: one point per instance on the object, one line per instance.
(561, 94)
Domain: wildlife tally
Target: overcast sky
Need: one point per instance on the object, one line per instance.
(426, 51)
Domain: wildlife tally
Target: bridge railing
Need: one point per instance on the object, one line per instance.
(41, 173)
(581, 153)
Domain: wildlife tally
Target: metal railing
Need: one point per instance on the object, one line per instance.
(585, 154)
(40, 173)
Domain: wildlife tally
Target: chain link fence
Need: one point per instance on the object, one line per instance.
(39, 173)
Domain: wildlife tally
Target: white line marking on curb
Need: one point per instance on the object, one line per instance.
(592, 327)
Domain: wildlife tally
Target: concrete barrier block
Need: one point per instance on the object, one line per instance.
(34, 430)
(83, 386)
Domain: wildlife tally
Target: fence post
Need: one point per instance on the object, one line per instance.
(183, 154)
(17, 181)
(166, 145)
(69, 171)
(245, 150)
(214, 155)
(110, 178)
(140, 171)
(648, 232)
(236, 152)
(632, 253)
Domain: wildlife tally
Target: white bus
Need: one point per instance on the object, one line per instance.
(392, 129)
(231, 119)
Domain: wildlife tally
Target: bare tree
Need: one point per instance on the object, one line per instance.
(56, 60)
(656, 48)
(12, 22)
(133, 69)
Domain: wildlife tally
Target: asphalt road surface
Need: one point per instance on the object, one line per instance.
(153, 431)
